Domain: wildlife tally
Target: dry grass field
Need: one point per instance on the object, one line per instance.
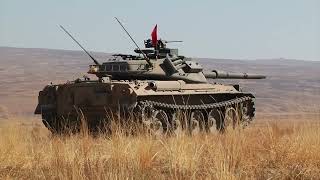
(274, 151)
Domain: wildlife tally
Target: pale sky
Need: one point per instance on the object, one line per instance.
(242, 29)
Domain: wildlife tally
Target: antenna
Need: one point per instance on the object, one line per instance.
(144, 55)
(94, 60)
(173, 41)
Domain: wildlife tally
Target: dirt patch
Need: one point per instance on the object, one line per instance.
(4, 113)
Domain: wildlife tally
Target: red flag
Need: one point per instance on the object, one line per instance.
(154, 36)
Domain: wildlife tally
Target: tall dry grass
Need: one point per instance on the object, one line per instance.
(291, 151)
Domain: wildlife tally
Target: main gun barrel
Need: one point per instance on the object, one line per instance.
(226, 75)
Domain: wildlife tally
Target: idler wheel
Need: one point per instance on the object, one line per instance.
(215, 120)
(231, 118)
(196, 122)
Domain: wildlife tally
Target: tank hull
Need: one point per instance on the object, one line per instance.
(205, 106)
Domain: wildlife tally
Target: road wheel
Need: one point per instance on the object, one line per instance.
(231, 118)
(196, 122)
(159, 123)
(214, 121)
(177, 123)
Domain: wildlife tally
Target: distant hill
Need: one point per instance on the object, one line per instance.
(292, 86)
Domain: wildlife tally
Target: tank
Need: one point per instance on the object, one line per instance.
(157, 88)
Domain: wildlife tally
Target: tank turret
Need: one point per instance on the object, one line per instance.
(165, 64)
(158, 62)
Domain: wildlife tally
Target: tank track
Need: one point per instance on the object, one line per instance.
(219, 109)
(199, 107)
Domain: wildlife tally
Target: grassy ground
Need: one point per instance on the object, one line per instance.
(273, 151)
